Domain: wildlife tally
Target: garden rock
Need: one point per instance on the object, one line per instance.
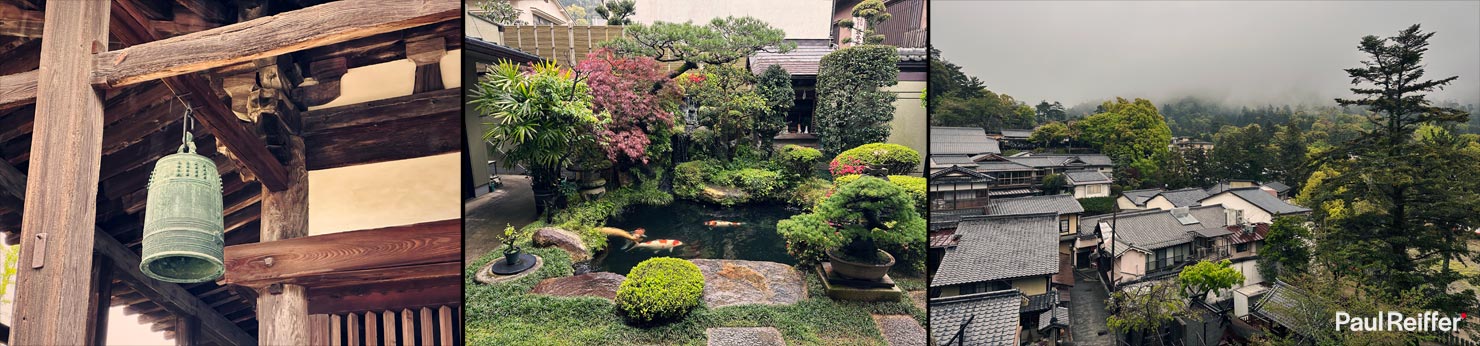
(599, 284)
(737, 282)
(754, 336)
(563, 239)
(900, 330)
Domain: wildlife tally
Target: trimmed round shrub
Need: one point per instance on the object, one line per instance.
(798, 160)
(895, 158)
(660, 289)
(759, 183)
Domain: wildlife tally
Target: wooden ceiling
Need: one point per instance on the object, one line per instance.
(143, 123)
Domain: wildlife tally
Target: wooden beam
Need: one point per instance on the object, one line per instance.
(268, 37)
(329, 254)
(18, 89)
(384, 130)
(17, 22)
(380, 111)
(171, 296)
(12, 186)
(212, 10)
(230, 132)
(53, 280)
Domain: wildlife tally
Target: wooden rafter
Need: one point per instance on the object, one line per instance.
(18, 22)
(267, 37)
(18, 89)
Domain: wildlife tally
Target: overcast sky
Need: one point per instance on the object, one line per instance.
(1253, 52)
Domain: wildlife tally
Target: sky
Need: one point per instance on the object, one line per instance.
(1241, 53)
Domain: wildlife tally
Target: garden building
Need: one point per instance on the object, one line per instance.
(328, 122)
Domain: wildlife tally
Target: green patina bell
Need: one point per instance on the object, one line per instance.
(182, 224)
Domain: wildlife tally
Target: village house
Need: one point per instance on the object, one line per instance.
(1258, 204)
(1015, 138)
(1154, 243)
(1185, 144)
(1088, 184)
(993, 253)
(1018, 175)
(1160, 199)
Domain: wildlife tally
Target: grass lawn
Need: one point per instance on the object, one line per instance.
(505, 314)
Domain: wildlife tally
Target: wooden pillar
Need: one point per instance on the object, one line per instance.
(53, 276)
(282, 309)
(188, 331)
(99, 301)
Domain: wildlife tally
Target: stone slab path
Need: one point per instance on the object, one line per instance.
(900, 330)
(738, 282)
(758, 336)
(485, 216)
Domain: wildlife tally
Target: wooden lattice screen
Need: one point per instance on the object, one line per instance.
(425, 326)
(564, 44)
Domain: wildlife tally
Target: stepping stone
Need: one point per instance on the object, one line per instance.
(900, 330)
(756, 336)
(599, 284)
(563, 239)
(487, 276)
(738, 282)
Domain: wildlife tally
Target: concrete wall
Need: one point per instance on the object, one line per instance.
(1130, 265)
(1231, 201)
(909, 124)
(801, 19)
(481, 29)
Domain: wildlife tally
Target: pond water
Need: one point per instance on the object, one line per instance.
(683, 220)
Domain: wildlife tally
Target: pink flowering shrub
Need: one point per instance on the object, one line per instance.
(634, 92)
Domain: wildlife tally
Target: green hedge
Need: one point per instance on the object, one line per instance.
(699, 180)
(898, 159)
(798, 160)
(1097, 205)
(660, 289)
(853, 106)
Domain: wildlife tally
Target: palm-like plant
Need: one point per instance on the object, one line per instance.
(542, 115)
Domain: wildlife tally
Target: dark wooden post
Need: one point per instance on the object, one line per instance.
(187, 331)
(99, 301)
(53, 276)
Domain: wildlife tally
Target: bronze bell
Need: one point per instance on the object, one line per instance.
(183, 227)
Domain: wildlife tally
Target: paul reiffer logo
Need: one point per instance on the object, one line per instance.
(1391, 321)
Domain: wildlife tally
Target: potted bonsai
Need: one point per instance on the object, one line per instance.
(511, 250)
(850, 226)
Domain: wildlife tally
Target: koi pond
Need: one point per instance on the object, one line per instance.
(685, 221)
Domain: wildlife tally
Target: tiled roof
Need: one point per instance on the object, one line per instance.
(1139, 197)
(1154, 228)
(1239, 236)
(1017, 133)
(947, 219)
(1089, 159)
(944, 160)
(942, 240)
(1224, 186)
(1277, 186)
(1280, 302)
(961, 140)
(1059, 317)
(1042, 302)
(1086, 177)
(1185, 197)
(1262, 199)
(1057, 204)
(800, 61)
(998, 248)
(1001, 166)
(912, 54)
(993, 316)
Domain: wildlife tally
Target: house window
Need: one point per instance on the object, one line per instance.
(1063, 225)
(970, 288)
(1241, 247)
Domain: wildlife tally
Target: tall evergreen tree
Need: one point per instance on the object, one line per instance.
(1409, 209)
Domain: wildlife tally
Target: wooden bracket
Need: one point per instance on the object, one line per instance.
(38, 256)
